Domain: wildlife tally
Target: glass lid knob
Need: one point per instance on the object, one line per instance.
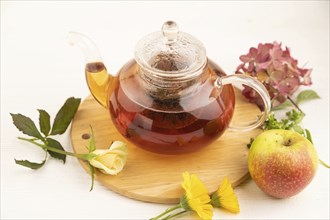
(170, 30)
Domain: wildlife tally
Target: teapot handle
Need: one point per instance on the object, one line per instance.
(258, 87)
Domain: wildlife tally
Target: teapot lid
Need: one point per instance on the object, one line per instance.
(170, 51)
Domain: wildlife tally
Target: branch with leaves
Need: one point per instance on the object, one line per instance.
(302, 97)
(95, 158)
(42, 139)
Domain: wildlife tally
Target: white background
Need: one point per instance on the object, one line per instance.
(40, 70)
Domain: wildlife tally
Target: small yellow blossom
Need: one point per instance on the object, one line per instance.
(225, 197)
(196, 197)
(110, 161)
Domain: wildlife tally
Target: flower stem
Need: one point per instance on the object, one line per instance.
(79, 156)
(175, 215)
(166, 212)
(294, 104)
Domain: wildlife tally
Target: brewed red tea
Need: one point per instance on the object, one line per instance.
(171, 98)
(174, 125)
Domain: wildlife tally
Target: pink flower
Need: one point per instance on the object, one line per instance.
(276, 69)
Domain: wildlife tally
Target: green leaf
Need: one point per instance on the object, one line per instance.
(92, 170)
(298, 129)
(295, 117)
(284, 105)
(91, 145)
(308, 135)
(55, 144)
(272, 123)
(29, 164)
(44, 122)
(65, 115)
(306, 96)
(25, 125)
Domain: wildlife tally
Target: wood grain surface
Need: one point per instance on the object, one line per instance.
(157, 178)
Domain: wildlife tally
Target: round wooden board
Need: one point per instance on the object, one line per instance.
(157, 178)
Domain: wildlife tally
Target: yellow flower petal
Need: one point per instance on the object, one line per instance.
(225, 197)
(196, 196)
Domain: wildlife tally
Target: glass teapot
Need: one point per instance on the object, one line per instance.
(170, 98)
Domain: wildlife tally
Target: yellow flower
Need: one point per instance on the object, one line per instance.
(196, 197)
(110, 161)
(225, 197)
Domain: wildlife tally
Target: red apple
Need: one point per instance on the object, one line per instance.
(282, 162)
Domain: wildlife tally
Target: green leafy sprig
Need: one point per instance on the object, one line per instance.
(291, 122)
(304, 96)
(42, 138)
(293, 118)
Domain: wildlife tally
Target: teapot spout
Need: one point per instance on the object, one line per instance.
(97, 77)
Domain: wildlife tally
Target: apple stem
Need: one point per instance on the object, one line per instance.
(287, 143)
